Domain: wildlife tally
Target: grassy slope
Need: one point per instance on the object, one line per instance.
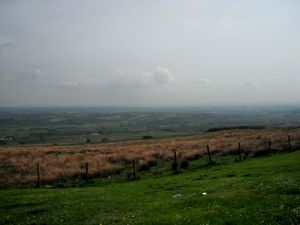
(256, 191)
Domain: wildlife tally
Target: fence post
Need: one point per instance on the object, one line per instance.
(87, 171)
(134, 169)
(269, 145)
(240, 151)
(289, 141)
(208, 152)
(175, 167)
(38, 170)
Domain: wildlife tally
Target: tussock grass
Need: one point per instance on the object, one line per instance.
(18, 164)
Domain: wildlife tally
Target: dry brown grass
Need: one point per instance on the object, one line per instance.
(18, 164)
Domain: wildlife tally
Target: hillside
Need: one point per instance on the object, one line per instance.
(255, 191)
(66, 163)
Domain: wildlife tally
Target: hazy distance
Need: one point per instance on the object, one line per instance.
(149, 53)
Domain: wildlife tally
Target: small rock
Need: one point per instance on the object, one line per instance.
(177, 196)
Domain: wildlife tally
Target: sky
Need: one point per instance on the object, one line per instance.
(145, 53)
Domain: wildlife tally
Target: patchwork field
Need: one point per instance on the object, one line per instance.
(62, 164)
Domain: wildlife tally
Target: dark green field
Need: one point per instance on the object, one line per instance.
(255, 191)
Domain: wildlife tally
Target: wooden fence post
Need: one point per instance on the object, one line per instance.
(270, 146)
(175, 167)
(87, 171)
(134, 169)
(38, 170)
(208, 152)
(240, 151)
(289, 142)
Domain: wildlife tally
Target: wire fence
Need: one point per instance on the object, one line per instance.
(37, 166)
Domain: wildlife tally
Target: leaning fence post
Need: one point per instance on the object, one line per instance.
(87, 171)
(208, 152)
(289, 141)
(38, 170)
(240, 151)
(134, 169)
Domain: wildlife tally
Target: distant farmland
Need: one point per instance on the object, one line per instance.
(21, 126)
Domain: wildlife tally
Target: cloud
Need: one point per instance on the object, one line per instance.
(7, 79)
(80, 80)
(273, 79)
(70, 84)
(32, 75)
(6, 45)
(10, 78)
(162, 75)
(263, 81)
(250, 82)
(122, 78)
(202, 81)
(159, 76)
(121, 72)
(35, 73)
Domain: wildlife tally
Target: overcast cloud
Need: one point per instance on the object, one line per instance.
(149, 53)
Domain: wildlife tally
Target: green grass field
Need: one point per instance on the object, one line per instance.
(255, 191)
